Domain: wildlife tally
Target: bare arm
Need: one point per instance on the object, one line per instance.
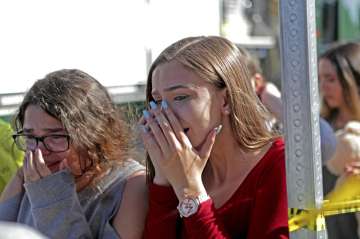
(129, 221)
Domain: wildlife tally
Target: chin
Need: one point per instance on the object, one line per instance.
(332, 103)
(54, 167)
(333, 106)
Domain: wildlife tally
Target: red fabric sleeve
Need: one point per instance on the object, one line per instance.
(268, 213)
(269, 218)
(162, 214)
(204, 224)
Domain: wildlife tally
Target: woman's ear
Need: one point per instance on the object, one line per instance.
(225, 102)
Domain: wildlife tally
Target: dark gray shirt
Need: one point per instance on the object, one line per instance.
(52, 206)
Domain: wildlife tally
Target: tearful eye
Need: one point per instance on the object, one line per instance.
(180, 97)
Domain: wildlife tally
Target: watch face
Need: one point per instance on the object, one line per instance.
(188, 207)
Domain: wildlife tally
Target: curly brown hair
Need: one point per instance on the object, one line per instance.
(86, 111)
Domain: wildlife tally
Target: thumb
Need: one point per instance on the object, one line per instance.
(84, 180)
(205, 150)
(63, 164)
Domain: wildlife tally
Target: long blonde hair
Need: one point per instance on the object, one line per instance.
(221, 63)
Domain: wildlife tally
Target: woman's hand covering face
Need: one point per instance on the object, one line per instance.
(34, 166)
(171, 152)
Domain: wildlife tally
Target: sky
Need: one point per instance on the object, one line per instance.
(106, 38)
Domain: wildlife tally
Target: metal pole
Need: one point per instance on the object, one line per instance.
(301, 108)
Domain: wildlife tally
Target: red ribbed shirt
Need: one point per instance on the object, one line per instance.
(257, 210)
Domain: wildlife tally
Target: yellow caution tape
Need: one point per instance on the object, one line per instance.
(344, 199)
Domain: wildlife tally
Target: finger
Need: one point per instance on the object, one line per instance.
(347, 169)
(40, 165)
(206, 148)
(167, 130)
(73, 164)
(157, 133)
(84, 180)
(30, 173)
(63, 165)
(25, 165)
(354, 172)
(175, 124)
(148, 139)
(151, 146)
(142, 126)
(355, 164)
(142, 121)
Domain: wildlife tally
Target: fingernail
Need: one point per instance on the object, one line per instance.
(146, 114)
(153, 105)
(218, 129)
(164, 104)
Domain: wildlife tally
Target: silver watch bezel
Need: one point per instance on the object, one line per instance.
(194, 201)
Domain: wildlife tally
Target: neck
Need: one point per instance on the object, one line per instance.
(342, 118)
(228, 160)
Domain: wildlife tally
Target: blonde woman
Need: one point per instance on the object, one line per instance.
(215, 170)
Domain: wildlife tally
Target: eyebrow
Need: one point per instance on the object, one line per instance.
(326, 75)
(50, 130)
(175, 87)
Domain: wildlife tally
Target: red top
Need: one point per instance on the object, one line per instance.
(257, 210)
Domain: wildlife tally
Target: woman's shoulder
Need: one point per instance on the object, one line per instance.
(274, 159)
(119, 173)
(112, 183)
(276, 150)
(129, 166)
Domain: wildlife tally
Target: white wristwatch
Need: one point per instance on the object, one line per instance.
(190, 205)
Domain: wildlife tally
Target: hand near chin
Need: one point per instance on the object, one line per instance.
(172, 153)
(34, 167)
(352, 168)
(154, 152)
(82, 177)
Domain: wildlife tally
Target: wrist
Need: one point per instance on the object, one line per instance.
(160, 181)
(190, 205)
(192, 191)
(20, 174)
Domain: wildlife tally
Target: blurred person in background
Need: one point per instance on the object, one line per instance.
(10, 156)
(267, 92)
(345, 162)
(270, 96)
(339, 81)
(78, 180)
